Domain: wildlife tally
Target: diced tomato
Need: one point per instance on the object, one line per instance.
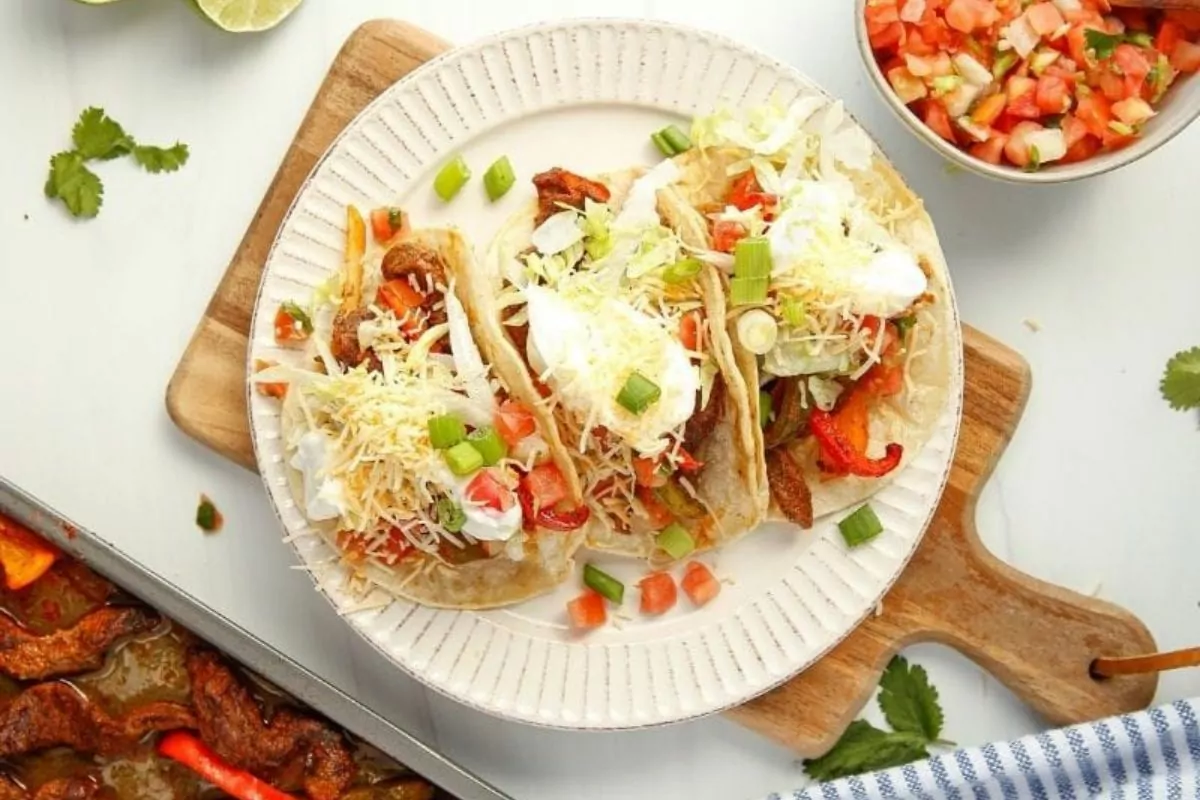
(689, 330)
(1022, 98)
(699, 584)
(1017, 149)
(884, 29)
(688, 463)
(1082, 150)
(1111, 85)
(388, 223)
(916, 46)
(938, 120)
(887, 38)
(353, 546)
(487, 490)
(1053, 94)
(405, 302)
(991, 151)
(288, 329)
(657, 512)
(746, 193)
(545, 485)
(884, 379)
(1111, 140)
(1170, 34)
(648, 472)
(891, 338)
(276, 390)
(989, 109)
(967, 16)
(396, 548)
(882, 13)
(1044, 18)
(659, 594)
(587, 611)
(514, 421)
(1134, 65)
(1073, 130)
(726, 234)
(908, 87)
(1095, 112)
(1186, 57)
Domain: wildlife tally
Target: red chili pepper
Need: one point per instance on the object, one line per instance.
(840, 455)
(196, 756)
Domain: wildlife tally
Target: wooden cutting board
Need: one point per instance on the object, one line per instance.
(1036, 638)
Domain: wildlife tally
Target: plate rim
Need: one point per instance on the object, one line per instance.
(954, 400)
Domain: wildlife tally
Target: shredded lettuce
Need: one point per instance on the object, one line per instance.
(824, 391)
(597, 223)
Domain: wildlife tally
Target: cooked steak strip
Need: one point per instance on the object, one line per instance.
(789, 489)
(557, 188)
(79, 648)
(57, 789)
(231, 723)
(344, 342)
(55, 714)
(704, 420)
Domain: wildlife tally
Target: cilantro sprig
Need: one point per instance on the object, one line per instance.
(1180, 385)
(98, 137)
(910, 706)
(1105, 44)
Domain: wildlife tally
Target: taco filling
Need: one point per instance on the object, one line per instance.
(410, 451)
(829, 304)
(612, 319)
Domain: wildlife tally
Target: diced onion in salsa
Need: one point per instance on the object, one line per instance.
(1026, 84)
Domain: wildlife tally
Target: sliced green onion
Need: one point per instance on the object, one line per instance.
(765, 403)
(1003, 63)
(676, 138)
(794, 313)
(638, 393)
(208, 519)
(499, 178)
(603, 584)
(860, 527)
(489, 444)
(904, 325)
(752, 258)
(1035, 159)
(445, 431)
(463, 459)
(451, 178)
(757, 330)
(682, 271)
(662, 144)
(450, 515)
(748, 291)
(675, 541)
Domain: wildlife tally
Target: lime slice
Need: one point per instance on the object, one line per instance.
(245, 16)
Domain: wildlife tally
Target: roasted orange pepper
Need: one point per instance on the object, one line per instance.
(24, 555)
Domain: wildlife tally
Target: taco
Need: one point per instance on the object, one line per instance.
(432, 471)
(623, 334)
(841, 316)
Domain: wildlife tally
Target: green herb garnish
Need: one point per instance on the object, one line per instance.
(910, 705)
(1180, 384)
(299, 314)
(98, 137)
(208, 518)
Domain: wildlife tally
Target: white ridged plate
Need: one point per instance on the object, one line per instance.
(583, 95)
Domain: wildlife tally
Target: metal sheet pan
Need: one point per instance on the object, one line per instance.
(252, 652)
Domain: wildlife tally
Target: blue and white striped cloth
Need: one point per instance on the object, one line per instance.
(1153, 754)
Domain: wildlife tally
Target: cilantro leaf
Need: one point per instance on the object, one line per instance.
(161, 159)
(1101, 43)
(909, 703)
(98, 136)
(865, 748)
(299, 314)
(1180, 384)
(74, 184)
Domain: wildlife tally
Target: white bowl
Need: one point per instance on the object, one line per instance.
(1180, 107)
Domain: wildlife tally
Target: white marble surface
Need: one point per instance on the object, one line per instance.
(1096, 492)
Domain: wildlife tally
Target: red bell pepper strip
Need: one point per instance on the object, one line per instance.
(840, 456)
(196, 756)
(550, 518)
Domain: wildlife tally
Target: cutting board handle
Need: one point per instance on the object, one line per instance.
(1035, 638)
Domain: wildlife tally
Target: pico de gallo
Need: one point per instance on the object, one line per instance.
(1026, 83)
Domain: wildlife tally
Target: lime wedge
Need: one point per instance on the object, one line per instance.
(245, 16)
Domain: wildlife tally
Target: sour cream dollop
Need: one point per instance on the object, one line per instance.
(324, 497)
(590, 346)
